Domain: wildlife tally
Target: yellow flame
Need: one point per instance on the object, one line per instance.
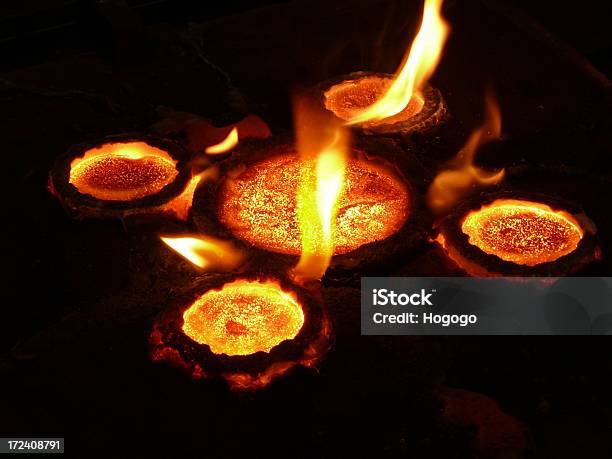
(322, 147)
(206, 252)
(454, 183)
(225, 145)
(416, 69)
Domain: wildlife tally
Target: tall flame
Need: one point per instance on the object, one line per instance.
(206, 252)
(454, 183)
(225, 145)
(416, 69)
(322, 146)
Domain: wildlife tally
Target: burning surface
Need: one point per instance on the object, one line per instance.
(523, 232)
(122, 171)
(243, 317)
(259, 205)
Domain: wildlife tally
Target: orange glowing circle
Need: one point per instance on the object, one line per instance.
(523, 232)
(122, 171)
(244, 317)
(259, 205)
(349, 98)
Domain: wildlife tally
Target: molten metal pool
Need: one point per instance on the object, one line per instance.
(259, 205)
(243, 317)
(122, 171)
(522, 232)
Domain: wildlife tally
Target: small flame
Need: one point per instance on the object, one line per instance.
(416, 69)
(206, 252)
(322, 146)
(181, 205)
(454, 183)
(225, 145)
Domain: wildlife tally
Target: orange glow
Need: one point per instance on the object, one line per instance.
(455, 183)
(206, 252)
(416, 69)
(225, 145)
(523, 232)
(122, 171)
(244, 317)
(259, 205)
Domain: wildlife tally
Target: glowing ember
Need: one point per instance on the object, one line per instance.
(259, 205)
(243, 317)
(351, 97)
(523, 232)
(225, 145)
(418, 66)
(122, 171)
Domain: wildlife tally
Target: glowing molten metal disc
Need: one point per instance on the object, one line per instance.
(349, 98)
(259, 205)
(523, 232)
(122, 171)
(243, 317)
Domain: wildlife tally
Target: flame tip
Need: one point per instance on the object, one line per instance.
(230, 141)
(323, 148)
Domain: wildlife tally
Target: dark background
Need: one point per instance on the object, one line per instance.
(34, 30)
(80, 296)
